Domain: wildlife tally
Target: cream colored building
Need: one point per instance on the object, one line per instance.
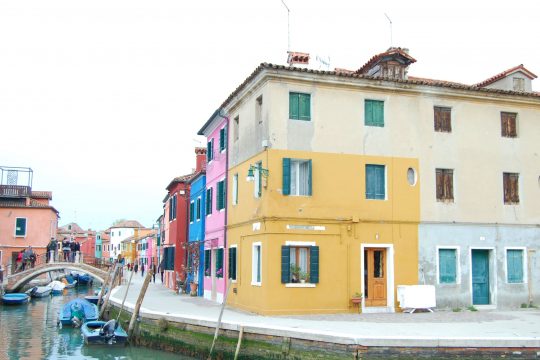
(489, 139)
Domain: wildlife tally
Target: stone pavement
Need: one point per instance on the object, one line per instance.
(490, 328)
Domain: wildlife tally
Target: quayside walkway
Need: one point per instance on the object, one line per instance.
(490, 329)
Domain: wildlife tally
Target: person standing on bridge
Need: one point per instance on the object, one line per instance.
(72, 250)
(19, 261)
(65, 249)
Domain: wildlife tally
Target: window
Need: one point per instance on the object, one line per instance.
(119, 233)
(445, 184)
(191, 211)
(236, 128)
(256, 264)
(209, 192)
(411, 176)
(112, 233)
(374, 113)
(210, 150)
(235, 190)
(447, 266)
(172, 209)
(511, 188)
(220, 198)
(375, 182)
(297, 177)
(300, 263)
(514, 266)
(519, 84)
(219, 263)
(257, 189)
(232, 263)
(443, 119)
(508, 124)
(199, 208)
(222, 139)
(299, 106)
(207, 262)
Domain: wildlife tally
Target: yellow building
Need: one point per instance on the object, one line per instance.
(327, 210)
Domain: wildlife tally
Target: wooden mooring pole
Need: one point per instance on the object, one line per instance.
(102, 310)
(218, 325)
(104, 285)
(125, 296)
(139, 303)
(240, 335)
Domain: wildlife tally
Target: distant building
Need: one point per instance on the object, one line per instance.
(26, 216)
(119, 232)
(85, 238)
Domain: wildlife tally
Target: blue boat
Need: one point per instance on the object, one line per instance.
(101, 332)
(78, 311)
(15, 299)
(70, 282)
(92, 298)
(82, 278)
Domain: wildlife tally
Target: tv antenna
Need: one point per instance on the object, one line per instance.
(288, 26)
(390, 21)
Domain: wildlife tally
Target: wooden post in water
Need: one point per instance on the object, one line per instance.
(105, 284)
(139, 303)
(102, 310)
(219, 319)
(240, 335)
(125, 296)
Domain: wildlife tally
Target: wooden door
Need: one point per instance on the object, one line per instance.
(480, 277)
(375, 276)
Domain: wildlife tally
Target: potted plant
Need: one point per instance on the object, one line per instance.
(304, 276)
(357, 298)
(193, 288)
(295, 273)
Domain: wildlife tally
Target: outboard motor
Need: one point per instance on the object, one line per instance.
(109, 328)
(77, 315)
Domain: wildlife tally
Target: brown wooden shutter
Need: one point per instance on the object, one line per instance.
(446, 116)
(514, 188)
(439, 183)
(506, 187)
(449, 185)
(437, 112)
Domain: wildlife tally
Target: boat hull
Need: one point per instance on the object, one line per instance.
(79, 308)
(40, 291)
(92, 299)
(15, 299)
(91, 334)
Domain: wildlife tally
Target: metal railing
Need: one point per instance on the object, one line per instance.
(14, 191)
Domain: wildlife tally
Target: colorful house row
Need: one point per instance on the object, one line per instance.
(322, 184)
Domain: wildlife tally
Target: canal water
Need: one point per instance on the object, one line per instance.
(30, 332)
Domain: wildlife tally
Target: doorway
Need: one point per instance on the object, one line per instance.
(480, 277)
(375, 277)
(214, 275)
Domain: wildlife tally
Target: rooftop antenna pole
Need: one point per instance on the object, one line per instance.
(390, 21)
(288, 26)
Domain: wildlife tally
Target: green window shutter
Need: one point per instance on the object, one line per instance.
(191, 211)
(232, 263)
(198, 208)
(294, 105)
(286, 176)
(221, 139)
(374, 113)
(304, 112)
(285, 264)
(314, 264)
(219, 263)
(514, 264)
(224, 138)
(218, 195)
(223, 195)
(207, 263)
(208, 207)
(310, 181)
(375, 182)
(447, 266)
(20, 227)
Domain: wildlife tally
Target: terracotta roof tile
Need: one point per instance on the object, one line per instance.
(371, 62)
(505, 73)
(42, 194)
(128, 224)
(21, 203)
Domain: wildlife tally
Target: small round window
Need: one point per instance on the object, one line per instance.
(411, 176)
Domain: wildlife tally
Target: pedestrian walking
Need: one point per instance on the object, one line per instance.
(154, 272)
(161, 271)
(136, 267)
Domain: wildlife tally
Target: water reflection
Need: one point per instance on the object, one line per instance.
(30, 332)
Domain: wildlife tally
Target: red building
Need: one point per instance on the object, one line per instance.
(86, 238)
(175, 223)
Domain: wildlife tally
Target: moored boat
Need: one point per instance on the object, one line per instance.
(101, 332)
(39, 291)
(78, 311)
(57, 287)
(82, 278)
(15, 299)
(69, 281)
(92, 298)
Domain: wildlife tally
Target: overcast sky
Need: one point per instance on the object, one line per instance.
(103, 98)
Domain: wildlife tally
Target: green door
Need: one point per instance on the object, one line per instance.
(480, 277)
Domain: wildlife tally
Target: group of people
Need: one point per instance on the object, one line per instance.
(70, 248)
(135, 267)
(26, 259)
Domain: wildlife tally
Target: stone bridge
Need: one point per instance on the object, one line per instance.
(18, 280)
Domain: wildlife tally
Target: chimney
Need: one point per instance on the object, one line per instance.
(200, 164)
(295, 57)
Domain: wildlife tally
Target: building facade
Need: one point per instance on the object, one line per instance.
(215, 131)
(119, 232)
(198, 268)
(364, 180)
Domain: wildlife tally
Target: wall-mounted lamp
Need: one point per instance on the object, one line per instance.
(251, 177)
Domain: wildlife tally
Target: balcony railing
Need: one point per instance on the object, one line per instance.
(14, 191)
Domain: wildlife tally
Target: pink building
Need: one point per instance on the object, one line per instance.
(216, 134)
(146, 250)
(26, 217)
